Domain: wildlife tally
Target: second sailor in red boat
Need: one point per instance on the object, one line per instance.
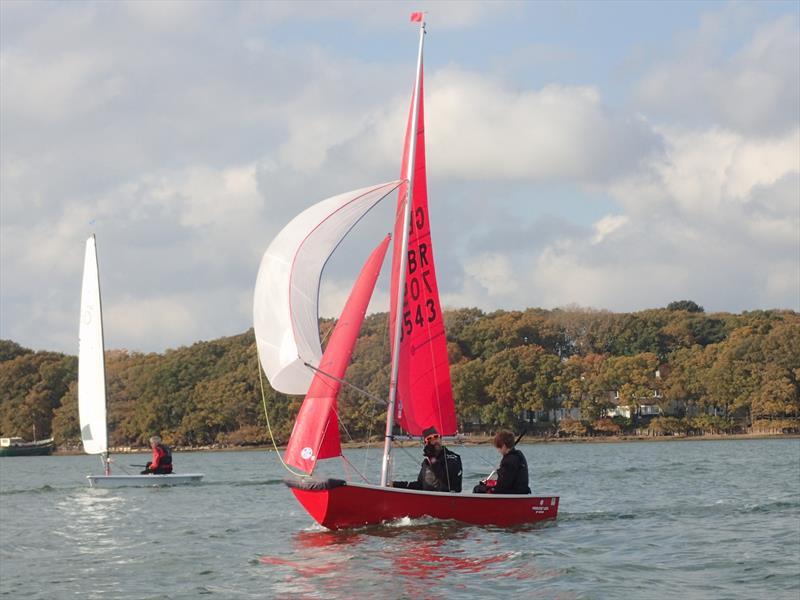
(441, 469)
(512, 474)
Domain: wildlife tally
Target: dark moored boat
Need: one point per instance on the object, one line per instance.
(15, 446)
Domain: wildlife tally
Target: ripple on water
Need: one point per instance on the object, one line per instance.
(633, 523)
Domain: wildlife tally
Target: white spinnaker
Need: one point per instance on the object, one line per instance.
(91, 367)
(286, 300)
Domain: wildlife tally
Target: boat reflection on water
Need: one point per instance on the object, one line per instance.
(406, 556)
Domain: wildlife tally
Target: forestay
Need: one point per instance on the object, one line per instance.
(286, 299)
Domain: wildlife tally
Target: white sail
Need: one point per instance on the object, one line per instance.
(286, 300)
(91, 367)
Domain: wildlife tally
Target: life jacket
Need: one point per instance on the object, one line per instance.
(164, 457)
(512, 474)
(454, 469)
(444, 476)
(167, 458)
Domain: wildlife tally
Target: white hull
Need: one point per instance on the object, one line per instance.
(114, 481)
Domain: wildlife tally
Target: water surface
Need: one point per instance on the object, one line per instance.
(694, 519)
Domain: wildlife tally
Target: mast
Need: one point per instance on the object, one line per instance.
(387, 445)
(104, 456)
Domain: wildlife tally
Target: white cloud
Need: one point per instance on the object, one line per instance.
(56, 89)
(704, 222)
(493, 272)
(167, 15)
(148, 321)
(607, 226)
(381, 15)
(204, 197)
(717, 177)
(563, 277)
(477, 127)
(754, 89)
(190, 156)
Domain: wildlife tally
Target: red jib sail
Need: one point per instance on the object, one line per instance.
(316, 431)
(424, 391)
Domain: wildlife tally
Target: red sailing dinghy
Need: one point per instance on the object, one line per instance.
(285, 318)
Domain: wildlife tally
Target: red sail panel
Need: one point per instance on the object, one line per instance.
(424, 391)
(316, 431)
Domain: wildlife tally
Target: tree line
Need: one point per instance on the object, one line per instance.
(512, 369)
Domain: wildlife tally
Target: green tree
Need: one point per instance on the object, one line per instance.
(687, 305)
(469, 391)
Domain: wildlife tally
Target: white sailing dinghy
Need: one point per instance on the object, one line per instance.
(92, 386)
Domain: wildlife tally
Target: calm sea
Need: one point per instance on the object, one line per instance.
(704, 519)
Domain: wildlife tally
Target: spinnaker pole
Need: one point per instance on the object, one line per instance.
(398, 325)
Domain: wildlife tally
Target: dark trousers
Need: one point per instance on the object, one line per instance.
(159, 470)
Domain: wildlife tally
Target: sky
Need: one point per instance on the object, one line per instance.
(612, 155)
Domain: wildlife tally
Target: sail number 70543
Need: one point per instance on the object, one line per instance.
(419, 307)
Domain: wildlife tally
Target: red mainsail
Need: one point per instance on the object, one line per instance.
(316, 431)
(424, 391)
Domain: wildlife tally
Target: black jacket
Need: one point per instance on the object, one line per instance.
(512, 475)
(440, 473)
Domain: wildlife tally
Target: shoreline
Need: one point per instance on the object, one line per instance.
(473, 441)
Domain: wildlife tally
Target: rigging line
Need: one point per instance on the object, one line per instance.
(374, 406)
(269, 427)
(119, 466)
(347, 383)
(350, 437)
(486, 460)
(330, 330)
(352, 466)
(386, 346)
(411, 456)
(369, 435)
(339, 419)
(341, 422)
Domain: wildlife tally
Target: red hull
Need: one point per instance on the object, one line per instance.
(355, 505)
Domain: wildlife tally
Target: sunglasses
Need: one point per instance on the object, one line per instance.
(430, 438)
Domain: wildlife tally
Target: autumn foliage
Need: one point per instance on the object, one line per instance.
(706, 373)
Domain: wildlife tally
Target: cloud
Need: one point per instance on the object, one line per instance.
(494, 273)
(190, 156)
(381, 15)
(754, 89)
(717, 177)
(482, 129)
(607, 226)
(702, 222)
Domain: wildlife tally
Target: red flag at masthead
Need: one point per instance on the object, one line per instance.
(416, 16)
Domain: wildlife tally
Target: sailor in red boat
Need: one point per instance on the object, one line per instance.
(162, 458)
(441, 468)
(512, 474)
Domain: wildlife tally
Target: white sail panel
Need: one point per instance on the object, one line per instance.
(91, 368)
(285, 304)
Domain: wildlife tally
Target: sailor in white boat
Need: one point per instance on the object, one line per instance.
(162, 458)
(441, 468)
(512, 474)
